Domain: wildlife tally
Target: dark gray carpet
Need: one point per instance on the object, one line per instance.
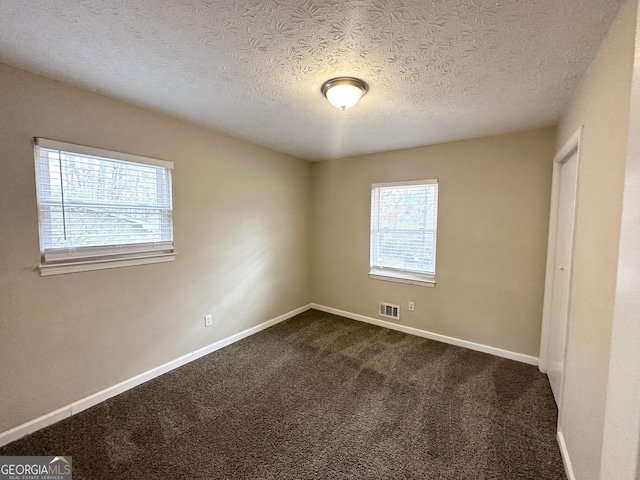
(320, 397)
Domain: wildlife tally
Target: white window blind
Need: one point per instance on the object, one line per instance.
(403, 230)
(97, 206)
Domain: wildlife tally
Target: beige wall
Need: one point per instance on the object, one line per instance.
(621, 438)
(492, 233)
(241, 234)
(601, 104)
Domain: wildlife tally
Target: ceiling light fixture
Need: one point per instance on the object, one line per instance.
(344, 92)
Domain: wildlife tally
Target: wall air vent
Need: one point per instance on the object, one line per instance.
(390, 311)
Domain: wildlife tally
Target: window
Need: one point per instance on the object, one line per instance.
(403, 231)
(100, 209)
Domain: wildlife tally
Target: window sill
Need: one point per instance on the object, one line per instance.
(60, 268)
(402, 277)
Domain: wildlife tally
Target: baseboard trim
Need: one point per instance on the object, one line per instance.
(98, 397)
(499, 352)
(34, 425)
(568, 468)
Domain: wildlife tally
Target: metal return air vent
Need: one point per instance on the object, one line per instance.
(389, 310)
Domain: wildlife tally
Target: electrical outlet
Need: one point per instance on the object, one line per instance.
(412, 307)
(208, 320)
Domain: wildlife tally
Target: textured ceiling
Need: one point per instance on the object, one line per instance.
(438, 70)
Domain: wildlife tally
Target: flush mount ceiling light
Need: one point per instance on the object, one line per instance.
(344, 92)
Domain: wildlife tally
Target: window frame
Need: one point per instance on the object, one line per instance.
(391, 274)
(80, 259)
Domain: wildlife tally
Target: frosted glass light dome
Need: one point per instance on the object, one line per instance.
(344, 92)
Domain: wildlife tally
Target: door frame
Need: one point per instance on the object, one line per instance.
(568, 149)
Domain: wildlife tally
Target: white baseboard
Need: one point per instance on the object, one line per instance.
(34, 425)
(568, 468)
(519, 357)
(87, 402)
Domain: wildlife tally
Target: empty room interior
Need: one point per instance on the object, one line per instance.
(319, 239)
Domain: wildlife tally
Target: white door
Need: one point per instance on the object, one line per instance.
(562, 273)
